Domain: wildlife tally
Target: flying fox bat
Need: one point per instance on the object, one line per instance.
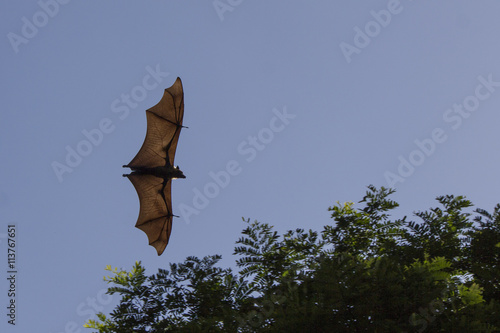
(153, 167)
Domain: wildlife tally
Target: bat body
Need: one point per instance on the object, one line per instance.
(153, 167)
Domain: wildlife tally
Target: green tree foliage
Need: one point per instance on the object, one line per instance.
(364, 273)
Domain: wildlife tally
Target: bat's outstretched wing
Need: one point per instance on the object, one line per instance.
(153, 167)
(164, 127)
(155, 213)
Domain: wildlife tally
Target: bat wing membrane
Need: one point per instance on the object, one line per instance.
(164, 127)
(155, 212)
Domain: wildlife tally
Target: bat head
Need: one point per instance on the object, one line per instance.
(178, 173)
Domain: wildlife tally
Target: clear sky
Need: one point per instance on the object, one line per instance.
(311, 100)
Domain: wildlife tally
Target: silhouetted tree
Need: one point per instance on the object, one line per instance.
(363, 273)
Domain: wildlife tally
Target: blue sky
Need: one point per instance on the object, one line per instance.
(305, 103)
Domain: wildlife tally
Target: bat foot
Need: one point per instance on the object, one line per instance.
(125, 175)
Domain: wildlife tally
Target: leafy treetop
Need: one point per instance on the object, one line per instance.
(364, 273)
